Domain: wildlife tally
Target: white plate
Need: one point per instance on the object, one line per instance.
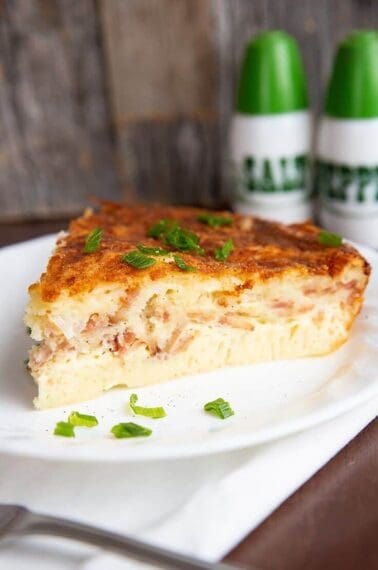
(270, 400)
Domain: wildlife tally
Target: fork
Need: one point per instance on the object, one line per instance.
(16, 520)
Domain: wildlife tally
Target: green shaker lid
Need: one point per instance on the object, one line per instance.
(353, 86)
(272, 78)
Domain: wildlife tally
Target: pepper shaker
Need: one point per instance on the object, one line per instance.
(347, 146)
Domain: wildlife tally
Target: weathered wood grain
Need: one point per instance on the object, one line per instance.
(161, 58)
(139, 92)
(54, 136)
(162, 74)
(171, 162)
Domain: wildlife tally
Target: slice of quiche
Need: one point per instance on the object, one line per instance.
(137, 295)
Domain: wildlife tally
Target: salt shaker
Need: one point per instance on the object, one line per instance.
(271, 132)
(347, 143)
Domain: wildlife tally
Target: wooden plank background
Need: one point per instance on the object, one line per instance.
(131, 99)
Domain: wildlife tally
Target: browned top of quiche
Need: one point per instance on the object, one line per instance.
(261, 249)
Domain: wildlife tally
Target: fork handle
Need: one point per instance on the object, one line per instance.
(33, 523)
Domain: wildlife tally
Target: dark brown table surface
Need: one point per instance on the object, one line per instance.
(331, 522)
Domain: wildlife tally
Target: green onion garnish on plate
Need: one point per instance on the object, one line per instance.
(129, 429)
(93, 240)
(64, 429)
(82, 420)
(329, 239)
(154, 413)
(219, 408)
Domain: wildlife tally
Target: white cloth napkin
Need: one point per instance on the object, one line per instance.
(201, 506)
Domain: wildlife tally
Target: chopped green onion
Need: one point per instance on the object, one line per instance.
(213, 220)
(175, 236)
(183, 240)
(93, 240)
(159, 228)
(138, 260)
(28, 330)
(330, 239)
(152, 250)
(26, 362)
(64, 429)
(220, 408)
(222, 253)
(181, 264)
(129, 429)
(154, 413)
(77, 419)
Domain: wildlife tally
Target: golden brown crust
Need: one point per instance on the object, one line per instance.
(262, 249)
